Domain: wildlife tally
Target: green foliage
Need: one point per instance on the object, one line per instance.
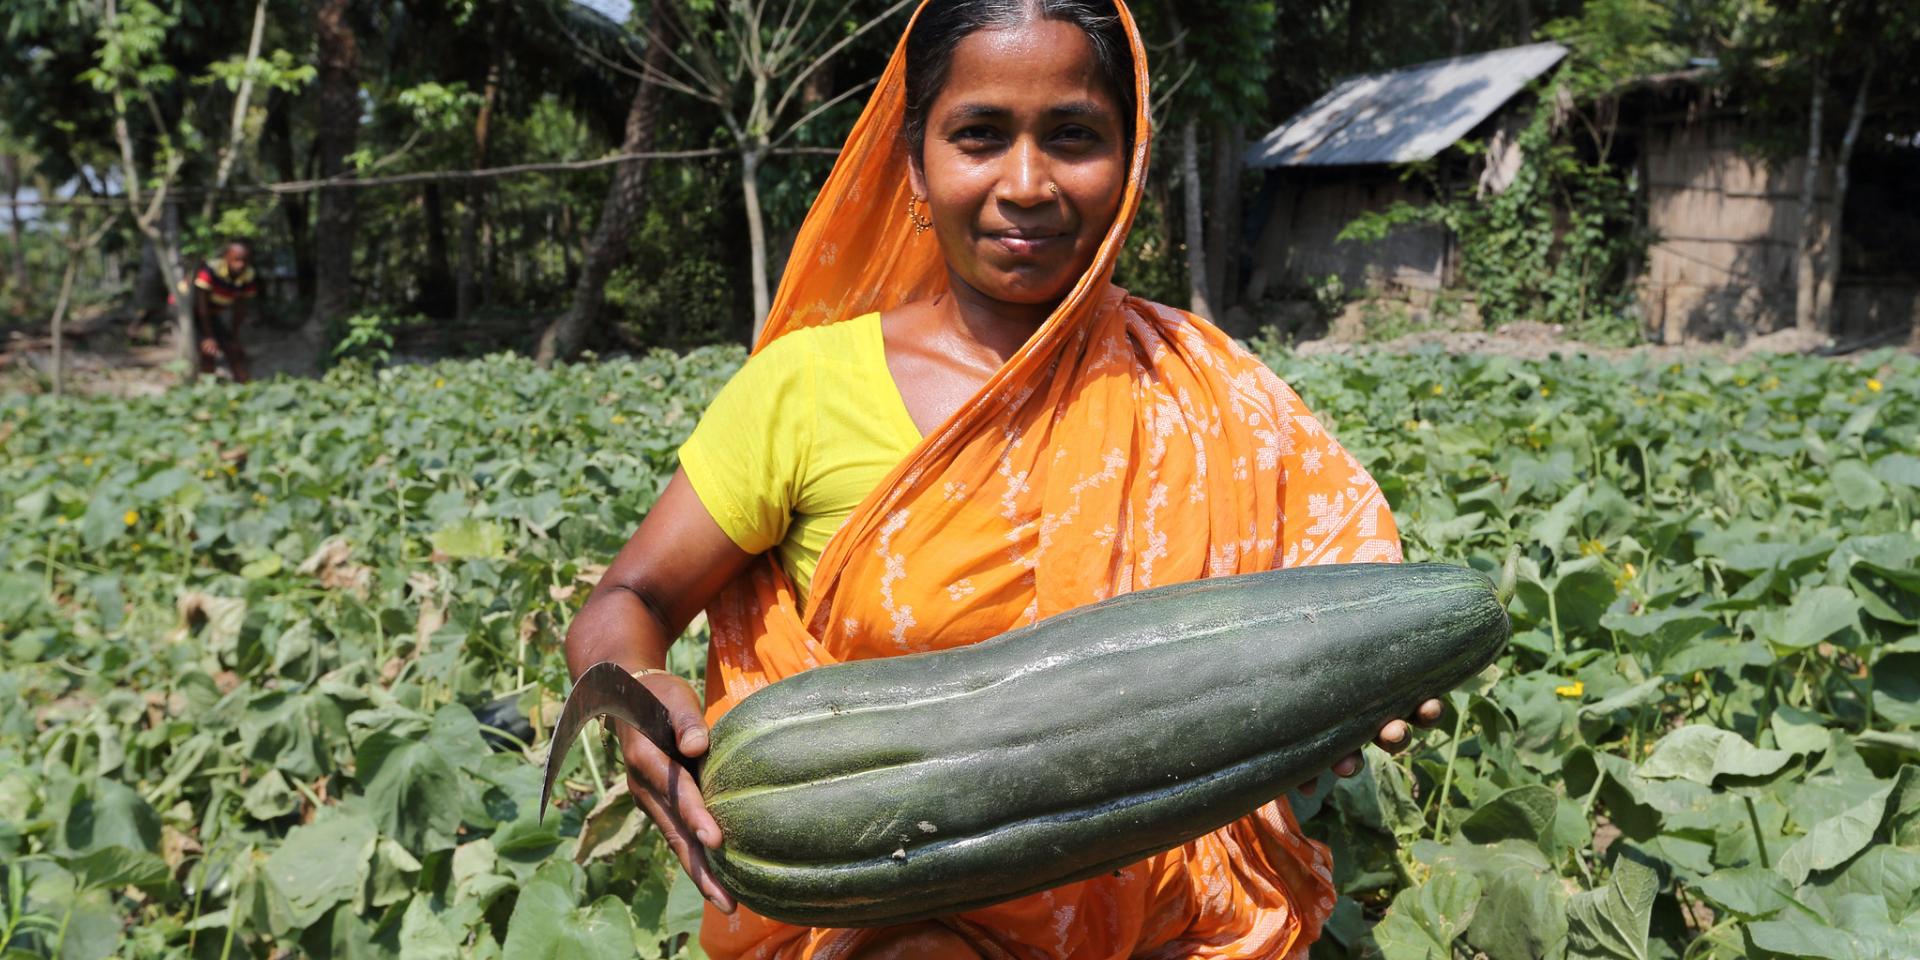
(1691, 720)
(312, 584)
(277, 70)
(243, 632)
(368, 337)
(1152, 264)
(131, 48)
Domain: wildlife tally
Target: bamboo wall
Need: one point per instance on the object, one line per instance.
(1726, 224)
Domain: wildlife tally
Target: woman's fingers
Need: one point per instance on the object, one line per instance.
(1394, 736)
(668, 792)
(1428, 713)
(674, 786)
(1348, 765)
(683, 709)
(681, 840)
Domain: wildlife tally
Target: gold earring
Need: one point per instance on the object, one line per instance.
(1054, 188)
(920, 223)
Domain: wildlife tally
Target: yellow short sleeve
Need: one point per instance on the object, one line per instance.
(747, 456)
(781, 461)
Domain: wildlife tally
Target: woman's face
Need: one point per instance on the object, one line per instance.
(1024, 161)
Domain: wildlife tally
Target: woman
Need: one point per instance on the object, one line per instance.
(955, 425)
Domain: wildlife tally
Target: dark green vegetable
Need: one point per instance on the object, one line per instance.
(883, 791)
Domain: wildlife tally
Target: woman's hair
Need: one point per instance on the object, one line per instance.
(944, 23)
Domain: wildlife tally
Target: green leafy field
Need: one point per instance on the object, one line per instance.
(246, 632)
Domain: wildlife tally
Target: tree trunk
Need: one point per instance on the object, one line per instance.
(278, 139)
(475, 262)
(1830, 264)
(1806, 313)
(336, 133)
(756, 234)
(10, 168)
(1195, 232)
(1523, 21)
(436, 288)
(1223, 229)
(236, 130)
(609, 244)
(179, 286)
(59, 321)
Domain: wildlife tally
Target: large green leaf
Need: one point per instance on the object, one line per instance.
(1896, 688)
(1815, 615)
(413, 791)
(1523, 904)
(1611, 923)
(1426, 919)
(1882, 870)
(1856, 484)
(1861, 929)
(321, 864)
(1522, 813)
(1750, 892)
(1703, 754)
(104, 813)
(549, 924)
(470, 538)
(1900, 468)
(1835, 840)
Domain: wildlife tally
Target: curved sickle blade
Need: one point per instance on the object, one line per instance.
(607, 690)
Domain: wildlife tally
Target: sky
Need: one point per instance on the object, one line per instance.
(616, 10)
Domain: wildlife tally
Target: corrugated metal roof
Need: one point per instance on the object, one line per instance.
(1403, 115)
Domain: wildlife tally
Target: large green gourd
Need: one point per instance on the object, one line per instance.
(884, 791)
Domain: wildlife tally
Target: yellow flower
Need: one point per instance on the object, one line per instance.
(60, 520)
(1593, 548)
(1874, 384)
(132, 517)
(1571, 690)
(1546, 391)
(1631, 572)
(260, 498)
(1771, 384)
(231, 469)
(439, 382)
(206, 474)
(86, 461)
(136, 548)
(1410, 426)
(1439, 391)
(619, 419)
(1739, 381)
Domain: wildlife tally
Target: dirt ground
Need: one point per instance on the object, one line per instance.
(109, 359)
(1540, 341)
(109, 362)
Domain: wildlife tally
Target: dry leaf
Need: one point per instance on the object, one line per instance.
(331, 563)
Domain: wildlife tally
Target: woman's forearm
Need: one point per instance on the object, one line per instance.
(617, 624)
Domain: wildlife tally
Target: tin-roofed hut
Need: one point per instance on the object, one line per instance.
(1340, 157)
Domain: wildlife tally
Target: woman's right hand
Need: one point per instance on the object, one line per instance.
(667, 792)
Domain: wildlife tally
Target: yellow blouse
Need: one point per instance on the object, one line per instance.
(793, 443)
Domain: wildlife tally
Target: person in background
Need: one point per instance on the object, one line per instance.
(222, 288)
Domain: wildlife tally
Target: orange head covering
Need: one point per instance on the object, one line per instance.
(1126, 445)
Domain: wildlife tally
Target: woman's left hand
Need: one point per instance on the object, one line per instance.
(1394, 737)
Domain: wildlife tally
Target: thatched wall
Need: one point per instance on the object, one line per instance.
(1727, 228)
(1726, 224)
(1298, 245)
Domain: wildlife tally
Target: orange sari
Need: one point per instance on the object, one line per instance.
(1126, 446)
